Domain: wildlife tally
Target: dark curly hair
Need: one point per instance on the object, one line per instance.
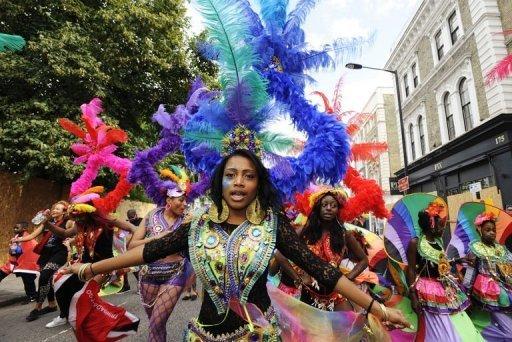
(267, 194)
(312, 230)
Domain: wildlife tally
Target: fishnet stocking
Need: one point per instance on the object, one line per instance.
(160, 301)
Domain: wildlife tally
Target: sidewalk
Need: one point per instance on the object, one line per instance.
(11, 290)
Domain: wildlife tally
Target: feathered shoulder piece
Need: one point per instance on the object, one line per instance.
(95, 149)
(144, 163)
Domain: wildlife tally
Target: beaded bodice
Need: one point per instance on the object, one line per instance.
(230, 264)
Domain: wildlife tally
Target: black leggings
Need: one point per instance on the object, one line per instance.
(49, 264)
(29, 284)
(45, 286)
(66, 292)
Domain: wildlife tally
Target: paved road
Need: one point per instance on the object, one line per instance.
(13, 326)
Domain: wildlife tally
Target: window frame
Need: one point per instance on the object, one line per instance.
(421, 129)
(465, 106)
(448, 116)
(438, 40)
(452, 19)
(406, 85)
(411, 138)
(415, 78)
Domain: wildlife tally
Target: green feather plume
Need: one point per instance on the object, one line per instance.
(228, 30)
(204, 134)
(11, 42)
(275, 142)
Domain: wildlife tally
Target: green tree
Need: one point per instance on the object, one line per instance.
(133, 54)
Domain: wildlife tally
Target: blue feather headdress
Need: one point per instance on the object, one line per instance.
(262, 66)
(237, 119)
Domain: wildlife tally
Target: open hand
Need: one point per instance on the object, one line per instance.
(395, 319)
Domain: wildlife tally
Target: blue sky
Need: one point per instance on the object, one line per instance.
(331, 19)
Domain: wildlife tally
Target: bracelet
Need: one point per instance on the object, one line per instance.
(384, 311)
(369, 309)
(81, 272)
(90, 269)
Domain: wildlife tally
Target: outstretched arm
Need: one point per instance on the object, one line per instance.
(172, 243)
(293, 248)
(139, 237)
(32, 235)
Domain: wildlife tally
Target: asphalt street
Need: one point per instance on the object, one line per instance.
(13, 326)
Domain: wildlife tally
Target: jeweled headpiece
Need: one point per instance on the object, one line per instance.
(241, 138)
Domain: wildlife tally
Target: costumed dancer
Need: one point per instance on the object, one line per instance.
(22, 261)
(161, 282)
(231, 243)
(52, 256)
(91, 318)
(230, 247)
(328, 239)
(435, 294)
(481, 229)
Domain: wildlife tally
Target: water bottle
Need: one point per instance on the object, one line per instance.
(39, 218)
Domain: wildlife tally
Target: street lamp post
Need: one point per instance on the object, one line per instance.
(355, 66)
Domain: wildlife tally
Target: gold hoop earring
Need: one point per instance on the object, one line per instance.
(213, 212)
(254, 212)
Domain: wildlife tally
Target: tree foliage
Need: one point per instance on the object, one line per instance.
(133, 54)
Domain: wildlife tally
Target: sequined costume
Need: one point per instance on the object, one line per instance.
(441, 298)
(232, 263)
(161, 282)
(490, 285)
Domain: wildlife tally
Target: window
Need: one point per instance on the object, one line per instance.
(450, 126)
(411, 136)
(465, 103)
(406, 85)
(422, 135)
(454, 27)
(439, 45)
(414, 75)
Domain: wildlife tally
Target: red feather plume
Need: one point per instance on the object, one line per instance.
(116, 135)
(110, 202)
(301, 202)
(327, 106)
(367, 196)
(368, 151)
(72, 128)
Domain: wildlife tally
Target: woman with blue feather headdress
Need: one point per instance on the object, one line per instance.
(226, 139)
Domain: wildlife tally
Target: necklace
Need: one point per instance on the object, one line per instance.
(481, 250)
(428, 252)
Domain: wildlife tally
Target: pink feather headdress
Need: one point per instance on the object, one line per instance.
(96, 150)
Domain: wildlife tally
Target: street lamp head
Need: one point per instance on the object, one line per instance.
(353, 66)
